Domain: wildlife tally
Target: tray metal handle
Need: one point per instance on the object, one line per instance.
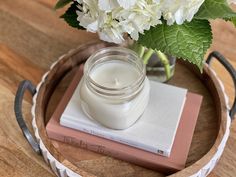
(25, 85)
(231, 71)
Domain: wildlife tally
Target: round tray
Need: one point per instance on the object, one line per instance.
(210, 136)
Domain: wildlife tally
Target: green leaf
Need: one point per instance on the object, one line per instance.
(233, 20)
(212, 9)
(189, 41)
(71, 17)
(62, 3)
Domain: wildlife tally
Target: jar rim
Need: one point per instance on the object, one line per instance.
(124, 92)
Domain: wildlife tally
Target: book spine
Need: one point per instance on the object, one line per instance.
(114, 137)
(108, 149)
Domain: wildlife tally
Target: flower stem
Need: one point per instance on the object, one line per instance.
(141, 50)
(147, 55)
(165, 62)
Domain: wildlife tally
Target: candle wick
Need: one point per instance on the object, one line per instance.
(116, 81)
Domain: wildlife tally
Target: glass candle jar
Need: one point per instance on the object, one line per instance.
(114, 89)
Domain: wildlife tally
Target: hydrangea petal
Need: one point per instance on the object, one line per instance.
(107, 5)
(126, 4)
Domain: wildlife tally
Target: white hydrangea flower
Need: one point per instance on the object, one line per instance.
(91, 17)
(112, 18)
(180, 10)
(139, 18)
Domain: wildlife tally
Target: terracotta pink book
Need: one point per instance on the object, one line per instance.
(180, 149)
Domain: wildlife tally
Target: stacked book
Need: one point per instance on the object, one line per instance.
(159, 140)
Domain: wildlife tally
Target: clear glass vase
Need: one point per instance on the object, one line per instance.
(157, 71)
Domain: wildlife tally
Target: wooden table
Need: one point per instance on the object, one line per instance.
(31, 38)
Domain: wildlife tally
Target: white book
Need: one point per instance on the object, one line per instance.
(154, 131)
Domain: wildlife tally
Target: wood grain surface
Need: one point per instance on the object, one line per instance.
(31, 38)
(205, 134)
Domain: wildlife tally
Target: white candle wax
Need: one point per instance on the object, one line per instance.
(115, 74)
